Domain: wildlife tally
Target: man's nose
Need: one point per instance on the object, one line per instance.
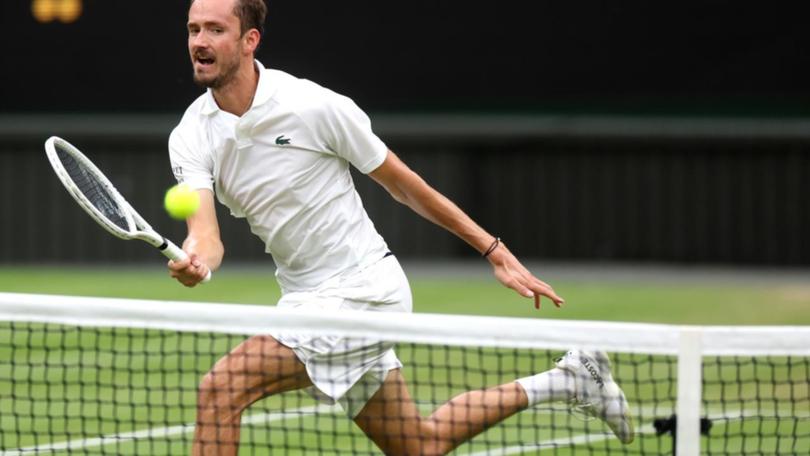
(199, 41)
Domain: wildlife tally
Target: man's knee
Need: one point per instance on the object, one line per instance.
(217, 387)
(210, 389)
(257, 368)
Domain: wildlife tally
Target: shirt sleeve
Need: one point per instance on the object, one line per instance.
(189, 160)
(348, 134)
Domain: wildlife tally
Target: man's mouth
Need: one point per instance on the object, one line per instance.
(204, 60)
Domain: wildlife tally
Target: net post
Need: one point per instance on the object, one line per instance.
(690, 392)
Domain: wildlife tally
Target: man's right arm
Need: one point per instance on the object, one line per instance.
(203, 244)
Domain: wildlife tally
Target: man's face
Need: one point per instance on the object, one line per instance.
(214, 42)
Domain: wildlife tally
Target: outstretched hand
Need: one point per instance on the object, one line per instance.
(189, 271)
(514, 275)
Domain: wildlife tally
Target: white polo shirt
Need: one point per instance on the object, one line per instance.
(284, 166)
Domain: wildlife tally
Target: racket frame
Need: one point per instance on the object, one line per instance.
(138, 228)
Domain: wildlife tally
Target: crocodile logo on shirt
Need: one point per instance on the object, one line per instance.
(282, 141)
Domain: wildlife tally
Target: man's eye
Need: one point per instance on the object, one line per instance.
(218, 30)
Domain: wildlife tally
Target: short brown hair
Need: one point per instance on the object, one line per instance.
(251, 14)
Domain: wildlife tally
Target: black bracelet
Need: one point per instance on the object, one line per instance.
(492, 247)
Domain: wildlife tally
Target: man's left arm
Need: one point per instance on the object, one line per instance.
(410, 189)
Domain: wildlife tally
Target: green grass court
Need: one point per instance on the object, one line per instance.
(728, 302)
(130, 388)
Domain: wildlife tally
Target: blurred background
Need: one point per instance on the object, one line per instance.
(646, 132)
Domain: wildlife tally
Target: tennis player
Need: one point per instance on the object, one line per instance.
(276, 150)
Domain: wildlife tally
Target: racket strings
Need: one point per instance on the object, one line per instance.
(95, 191)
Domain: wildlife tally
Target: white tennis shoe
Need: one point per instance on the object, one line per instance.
(597, 395)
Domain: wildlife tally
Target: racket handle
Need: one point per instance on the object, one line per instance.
(173, 252)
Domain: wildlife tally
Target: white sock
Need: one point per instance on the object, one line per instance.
(552, 385)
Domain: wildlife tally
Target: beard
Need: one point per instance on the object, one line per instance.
(226, 74)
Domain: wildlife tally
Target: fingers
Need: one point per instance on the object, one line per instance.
(537, 289)
(548, 292)
(528, 285)
(189, 271)
(517, 285)
(179, 265)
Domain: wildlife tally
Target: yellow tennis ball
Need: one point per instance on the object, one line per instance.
(181, 201)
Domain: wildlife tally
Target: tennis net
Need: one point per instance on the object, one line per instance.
(111, 376)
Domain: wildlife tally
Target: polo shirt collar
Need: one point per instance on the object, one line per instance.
(264, 91)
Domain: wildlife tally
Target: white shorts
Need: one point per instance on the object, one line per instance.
(345, 370)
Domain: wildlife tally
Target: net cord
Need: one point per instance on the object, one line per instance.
(455, 330)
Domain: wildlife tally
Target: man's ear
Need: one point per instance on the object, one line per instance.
(252, 38)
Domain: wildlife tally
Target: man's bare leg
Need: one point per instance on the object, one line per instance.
(258, 367)
(392, 421)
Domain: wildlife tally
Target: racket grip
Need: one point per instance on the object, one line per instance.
(173, 252)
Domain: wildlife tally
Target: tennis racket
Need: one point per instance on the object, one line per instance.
(99, 198)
